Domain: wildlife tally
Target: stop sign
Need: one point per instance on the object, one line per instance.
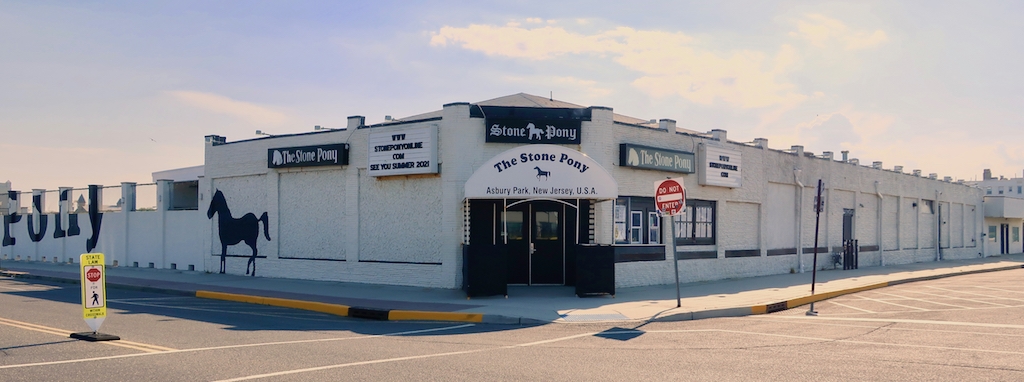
(670, 197)
(93, 275)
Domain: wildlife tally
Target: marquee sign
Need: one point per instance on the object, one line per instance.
(542, 131)
(720, 167)
(541, 171)
(651, 158)
(319, 155)
(403, 151)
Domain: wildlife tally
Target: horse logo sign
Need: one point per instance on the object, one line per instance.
(234, 231)
(543, 173)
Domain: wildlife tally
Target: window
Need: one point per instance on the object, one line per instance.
(654, 227)
(1018, 189)
(992, 232)
(1016, 234)
(545, 225)
(1000, 190)
(185, 195)
(636, 221)
(697, 225)
(988, 190)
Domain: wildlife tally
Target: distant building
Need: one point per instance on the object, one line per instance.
(4, 201)
(1004, 212)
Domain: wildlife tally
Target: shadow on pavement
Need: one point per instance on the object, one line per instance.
(242, 316)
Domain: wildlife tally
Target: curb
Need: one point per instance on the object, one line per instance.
(796, 302)
(346, 311)
(335, 309)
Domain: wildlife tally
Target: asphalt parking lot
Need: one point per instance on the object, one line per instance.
(960, 328)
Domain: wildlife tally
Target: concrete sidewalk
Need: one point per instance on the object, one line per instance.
(524, 305)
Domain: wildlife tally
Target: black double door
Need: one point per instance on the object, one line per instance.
(536, 233)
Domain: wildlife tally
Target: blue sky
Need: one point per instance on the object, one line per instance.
(105, 92)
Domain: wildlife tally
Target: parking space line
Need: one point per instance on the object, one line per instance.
(957, 298)
(65, 333)
(998, 289)
(891, 328)
(421, 356)
(893, 303)
(435, 355)
(923, 300)
(899, 321)
(851, 307)
(396, 334)
(977, 294)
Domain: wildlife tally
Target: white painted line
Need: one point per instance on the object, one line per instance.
(900, 321)
(233, 347)
(65, 333)
(407, 358)
(957, 298)
(15, 289)
(852, 307)
(998, 289)
(925, 301)
(890, 328)
(977, 294)
(865, 342)
(892, 303)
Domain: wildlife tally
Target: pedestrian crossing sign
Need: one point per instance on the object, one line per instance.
(94, 290)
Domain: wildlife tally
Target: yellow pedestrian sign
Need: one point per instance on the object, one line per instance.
(94, 295)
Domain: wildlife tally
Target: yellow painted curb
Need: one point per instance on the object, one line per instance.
(412, 315)
(759, 309)
(335, 309)
(825, 296)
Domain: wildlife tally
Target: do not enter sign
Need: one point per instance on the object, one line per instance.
(670, 196)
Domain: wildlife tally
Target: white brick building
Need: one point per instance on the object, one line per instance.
(399, 210)
(1004, 212)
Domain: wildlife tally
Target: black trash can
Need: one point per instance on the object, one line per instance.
(485, 270)
(595, 269)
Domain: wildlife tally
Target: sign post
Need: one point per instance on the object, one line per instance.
(670, 199)
(818, 204)
(94, 297)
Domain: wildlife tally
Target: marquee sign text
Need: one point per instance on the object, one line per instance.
(403, 151)
(319, 155)
(532, 131)
(651, 158)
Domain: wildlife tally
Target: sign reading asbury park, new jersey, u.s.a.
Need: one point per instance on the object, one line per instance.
(541, 171)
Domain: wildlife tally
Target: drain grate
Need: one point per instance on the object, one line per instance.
(593, 317)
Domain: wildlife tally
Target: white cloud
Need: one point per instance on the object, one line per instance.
(822, 31)
(223, 105)
(668, 63)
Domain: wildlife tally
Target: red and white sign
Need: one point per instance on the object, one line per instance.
(93, 274)
(670, 196)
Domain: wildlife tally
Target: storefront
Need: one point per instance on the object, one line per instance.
(525, 190)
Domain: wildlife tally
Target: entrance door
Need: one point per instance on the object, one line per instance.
(547, 252)
(1004, 238)
(536, 242)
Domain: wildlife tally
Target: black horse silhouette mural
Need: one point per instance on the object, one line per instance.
(234, 231)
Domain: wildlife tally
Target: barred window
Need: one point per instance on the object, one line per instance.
(697, 225)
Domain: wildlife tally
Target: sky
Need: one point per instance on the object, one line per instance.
(103, 92)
